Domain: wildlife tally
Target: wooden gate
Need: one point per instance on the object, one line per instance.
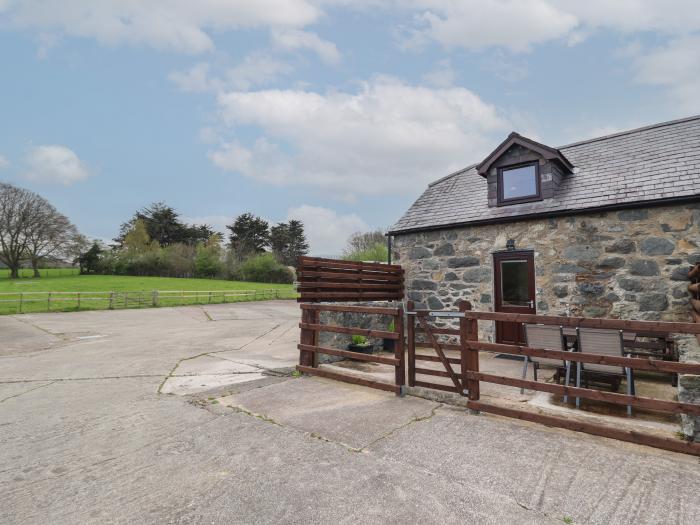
(447, 345)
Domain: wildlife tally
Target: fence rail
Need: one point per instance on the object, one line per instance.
(466, 375)
(24, 302)
(309, 347)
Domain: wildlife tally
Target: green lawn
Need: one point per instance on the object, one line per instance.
(92, 292)
(44, 272)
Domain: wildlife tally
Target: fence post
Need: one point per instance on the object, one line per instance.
(126, 299)
(309, 337)
(411, 337)
(111, 300)
(48, 302)
(154, 299)
(78, 300)
(400, 374)
(469, 331)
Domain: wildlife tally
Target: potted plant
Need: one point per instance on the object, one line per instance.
(389, 344)
(360, 344)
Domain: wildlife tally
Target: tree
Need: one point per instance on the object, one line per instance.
(50, 236)
(362, 241)
(20, 211)
(164, 226)
(89, 260)
(137, 240)
(250, 235)
(288, 241)
(367, 246)
(208, 261)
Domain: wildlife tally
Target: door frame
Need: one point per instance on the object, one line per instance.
(504, 255)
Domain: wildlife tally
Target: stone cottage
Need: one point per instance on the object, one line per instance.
(607, 227)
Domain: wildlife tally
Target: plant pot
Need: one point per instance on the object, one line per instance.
(389, 344)
(366, 348)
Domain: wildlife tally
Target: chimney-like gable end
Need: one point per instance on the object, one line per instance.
(550, 154)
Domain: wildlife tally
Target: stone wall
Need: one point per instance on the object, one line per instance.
(629, 264)
(352, 320)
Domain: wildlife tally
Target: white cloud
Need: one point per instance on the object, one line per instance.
(293, 39)
(255, 70)
(386, 137)
(55, 164)
(183, 26)
(517, 25)
(195, 79)
(442, 75)
(326, 230)
(630, 16)
(675, 66)
(478, 24)
(4, 163)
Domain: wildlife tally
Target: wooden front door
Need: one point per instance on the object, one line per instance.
(514, 287)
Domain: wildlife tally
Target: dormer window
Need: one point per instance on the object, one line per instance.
(519, 183)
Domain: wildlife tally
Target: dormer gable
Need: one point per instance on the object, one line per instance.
(521, 170)
(545, 152)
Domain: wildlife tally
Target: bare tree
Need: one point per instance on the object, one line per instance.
(31, 229)
(364, 241)
(51, 236)
(18, 211)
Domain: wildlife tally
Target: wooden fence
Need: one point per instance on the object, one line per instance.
(331, 280)
(309, 347)
(22, 302)
(465, 380)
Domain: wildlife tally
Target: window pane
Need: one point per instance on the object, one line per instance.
(515, 283)
(519, 182)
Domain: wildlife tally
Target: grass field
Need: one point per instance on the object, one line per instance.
(44, 272)
(92, 292)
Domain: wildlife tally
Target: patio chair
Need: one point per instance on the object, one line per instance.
(603, 342)
(548, 338)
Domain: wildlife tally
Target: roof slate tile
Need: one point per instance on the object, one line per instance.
(641, 165)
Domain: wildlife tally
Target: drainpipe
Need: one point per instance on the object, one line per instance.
(388, 246)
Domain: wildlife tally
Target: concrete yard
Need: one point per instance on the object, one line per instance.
(189, 415)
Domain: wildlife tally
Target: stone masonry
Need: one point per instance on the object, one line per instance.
(629, 264)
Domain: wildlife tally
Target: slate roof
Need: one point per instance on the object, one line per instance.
(654, 163)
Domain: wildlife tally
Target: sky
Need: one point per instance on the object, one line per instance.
(334, 112)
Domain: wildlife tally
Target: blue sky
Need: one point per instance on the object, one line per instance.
(334, 112)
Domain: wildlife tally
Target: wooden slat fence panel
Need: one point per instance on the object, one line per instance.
(330, 280)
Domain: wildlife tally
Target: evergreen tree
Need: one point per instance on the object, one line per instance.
(250, 235)
(288, 242)
(88, 260)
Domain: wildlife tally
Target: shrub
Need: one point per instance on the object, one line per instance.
(264, 268)
(358, 340)
(377, 252)
(207, 262)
